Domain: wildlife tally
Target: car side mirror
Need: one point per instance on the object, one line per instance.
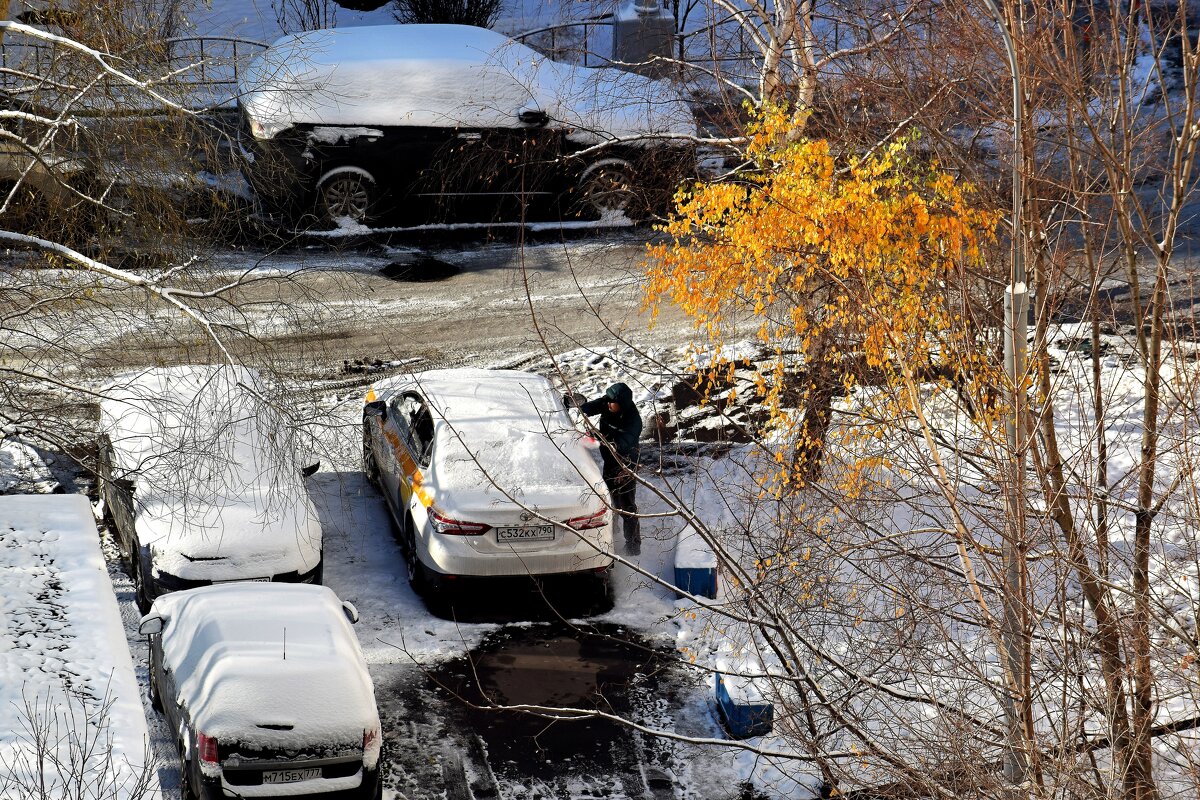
(533, 117)
(350, 611)
(151, 625)
(377, 408)
(308, 471)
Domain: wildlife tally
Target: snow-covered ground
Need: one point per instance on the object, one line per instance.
(402, 639)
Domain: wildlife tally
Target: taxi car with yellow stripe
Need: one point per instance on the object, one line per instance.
(486, 476)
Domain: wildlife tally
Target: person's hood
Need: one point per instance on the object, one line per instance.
(620, 393)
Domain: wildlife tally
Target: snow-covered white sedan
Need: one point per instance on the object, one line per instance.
(486, 475)
(266, 688)
(203, 481)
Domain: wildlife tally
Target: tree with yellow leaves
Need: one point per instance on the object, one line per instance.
(844, 263)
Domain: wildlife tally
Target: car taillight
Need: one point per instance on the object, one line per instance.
(207, 745)
(597, 520)
(456, 527)
(370, 738)
(257, 130)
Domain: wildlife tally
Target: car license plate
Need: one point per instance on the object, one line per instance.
(292, 775)
(531, 533)
(244, 580)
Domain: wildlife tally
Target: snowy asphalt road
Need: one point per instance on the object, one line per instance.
(439, 303)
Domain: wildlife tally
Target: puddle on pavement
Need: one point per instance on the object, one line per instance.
(424, 269)
(602, 667)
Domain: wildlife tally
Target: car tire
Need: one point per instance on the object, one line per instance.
(607, 189)
(602, 593)
(187, 788)
(346, 193)
(424, 581)
(412, 564)
(369, 466)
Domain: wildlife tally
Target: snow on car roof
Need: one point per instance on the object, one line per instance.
(500, 431)
(153, 414)
(210, 458)
(268, 654)
(447, 76)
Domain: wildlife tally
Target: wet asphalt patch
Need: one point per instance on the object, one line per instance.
(423, 269)
(557, 666)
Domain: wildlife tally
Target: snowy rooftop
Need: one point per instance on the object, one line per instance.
(62, 649)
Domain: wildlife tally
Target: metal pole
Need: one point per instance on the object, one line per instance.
(1016, 317)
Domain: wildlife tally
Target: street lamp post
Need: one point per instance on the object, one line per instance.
(1016, 314)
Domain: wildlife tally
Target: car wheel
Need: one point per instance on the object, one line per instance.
(369, 466)
(187, 788)
(602, 594)
(412, 564)
(141, 592)
(423, 580)
(606, 190)
(346, 193)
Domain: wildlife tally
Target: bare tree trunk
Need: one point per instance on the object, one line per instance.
(1140, 781)
(821, 379)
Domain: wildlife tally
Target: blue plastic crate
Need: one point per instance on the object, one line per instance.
(698, 581)
(743, 719)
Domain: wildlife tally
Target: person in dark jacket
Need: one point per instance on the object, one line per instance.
(621, 429)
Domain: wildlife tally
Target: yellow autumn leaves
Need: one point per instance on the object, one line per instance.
(844, 259)
(811, 242)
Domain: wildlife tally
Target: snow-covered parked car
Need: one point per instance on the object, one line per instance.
(486, 475)
(204, 481)
(267, 689)
(453, 122)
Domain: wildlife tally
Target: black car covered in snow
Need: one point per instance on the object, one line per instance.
(448, 123)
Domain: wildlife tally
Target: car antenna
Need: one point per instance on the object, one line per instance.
(285, 642)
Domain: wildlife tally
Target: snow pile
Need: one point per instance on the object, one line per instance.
(269, 665)
(22, 469)
(65, 669)
(447, 76)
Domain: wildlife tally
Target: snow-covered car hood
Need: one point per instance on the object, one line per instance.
(448, 76)
(254, 533)
(276, 655)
